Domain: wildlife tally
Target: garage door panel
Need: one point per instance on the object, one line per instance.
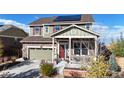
(40, 54)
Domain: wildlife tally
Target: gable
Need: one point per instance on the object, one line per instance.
(74, 31)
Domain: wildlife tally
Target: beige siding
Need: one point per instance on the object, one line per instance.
(50, 28)
(50, 31)
(32, 29)
(74, 32)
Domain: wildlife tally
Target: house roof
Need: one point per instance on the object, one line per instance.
(11, 30)
(64, 19)
(94, 33)
(36, 39)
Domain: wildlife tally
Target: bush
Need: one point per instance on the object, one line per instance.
(83, 68)
(13, 58)
(113, 64)
(99, 68)
(118, 48)
(48, 69)
(1, 48)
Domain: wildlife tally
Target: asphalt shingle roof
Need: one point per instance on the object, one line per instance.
(36, 39)
(69, 18)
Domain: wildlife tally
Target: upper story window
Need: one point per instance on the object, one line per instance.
(88, 26)
(46, 29)
(56, 28)
(36, 30)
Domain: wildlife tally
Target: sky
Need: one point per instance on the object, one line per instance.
(109, 26)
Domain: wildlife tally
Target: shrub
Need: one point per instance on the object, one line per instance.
(99, 68)
(113, 64)
(83, 68)
(118, 48)
(1, 48)
(13, 58)
(47, 69)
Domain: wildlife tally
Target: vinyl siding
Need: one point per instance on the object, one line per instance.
(50, 30)
(74, 32)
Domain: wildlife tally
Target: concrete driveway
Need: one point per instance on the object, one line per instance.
(26, 69)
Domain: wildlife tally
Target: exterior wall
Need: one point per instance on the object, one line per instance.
(32, 33)
(50, 29)
(74, 32)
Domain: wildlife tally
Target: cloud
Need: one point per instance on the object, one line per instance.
(108, 33)
(118, 27)
(15, 23)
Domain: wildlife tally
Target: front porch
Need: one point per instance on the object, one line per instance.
(74, 44)
(75, 50)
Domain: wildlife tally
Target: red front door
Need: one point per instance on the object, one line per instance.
(61, 51)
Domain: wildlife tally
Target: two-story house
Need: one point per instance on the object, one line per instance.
(64, 37)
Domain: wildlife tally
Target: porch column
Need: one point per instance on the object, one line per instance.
(69, 49)
(53, 41)
(96, 48)
(58, 50)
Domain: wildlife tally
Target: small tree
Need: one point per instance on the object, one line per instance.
(114, 67)
(118, 47)
(1, 48)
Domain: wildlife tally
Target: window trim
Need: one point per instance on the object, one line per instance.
(75, 41)
(55, 28)
(35, 32)
(87, 26)
(46, 29)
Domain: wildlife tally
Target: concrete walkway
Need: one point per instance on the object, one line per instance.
(25, 69)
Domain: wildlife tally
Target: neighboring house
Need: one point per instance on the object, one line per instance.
(64, 37)
(10, 37)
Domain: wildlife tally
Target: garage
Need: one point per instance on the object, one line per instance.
(40, 53)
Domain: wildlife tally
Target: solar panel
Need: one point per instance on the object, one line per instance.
(68, 18)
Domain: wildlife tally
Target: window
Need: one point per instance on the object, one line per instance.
(80, 48)
(56, 28)
(88, 26)
(77, 48)
(36, 30)
(84, 49)
(46, 29)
